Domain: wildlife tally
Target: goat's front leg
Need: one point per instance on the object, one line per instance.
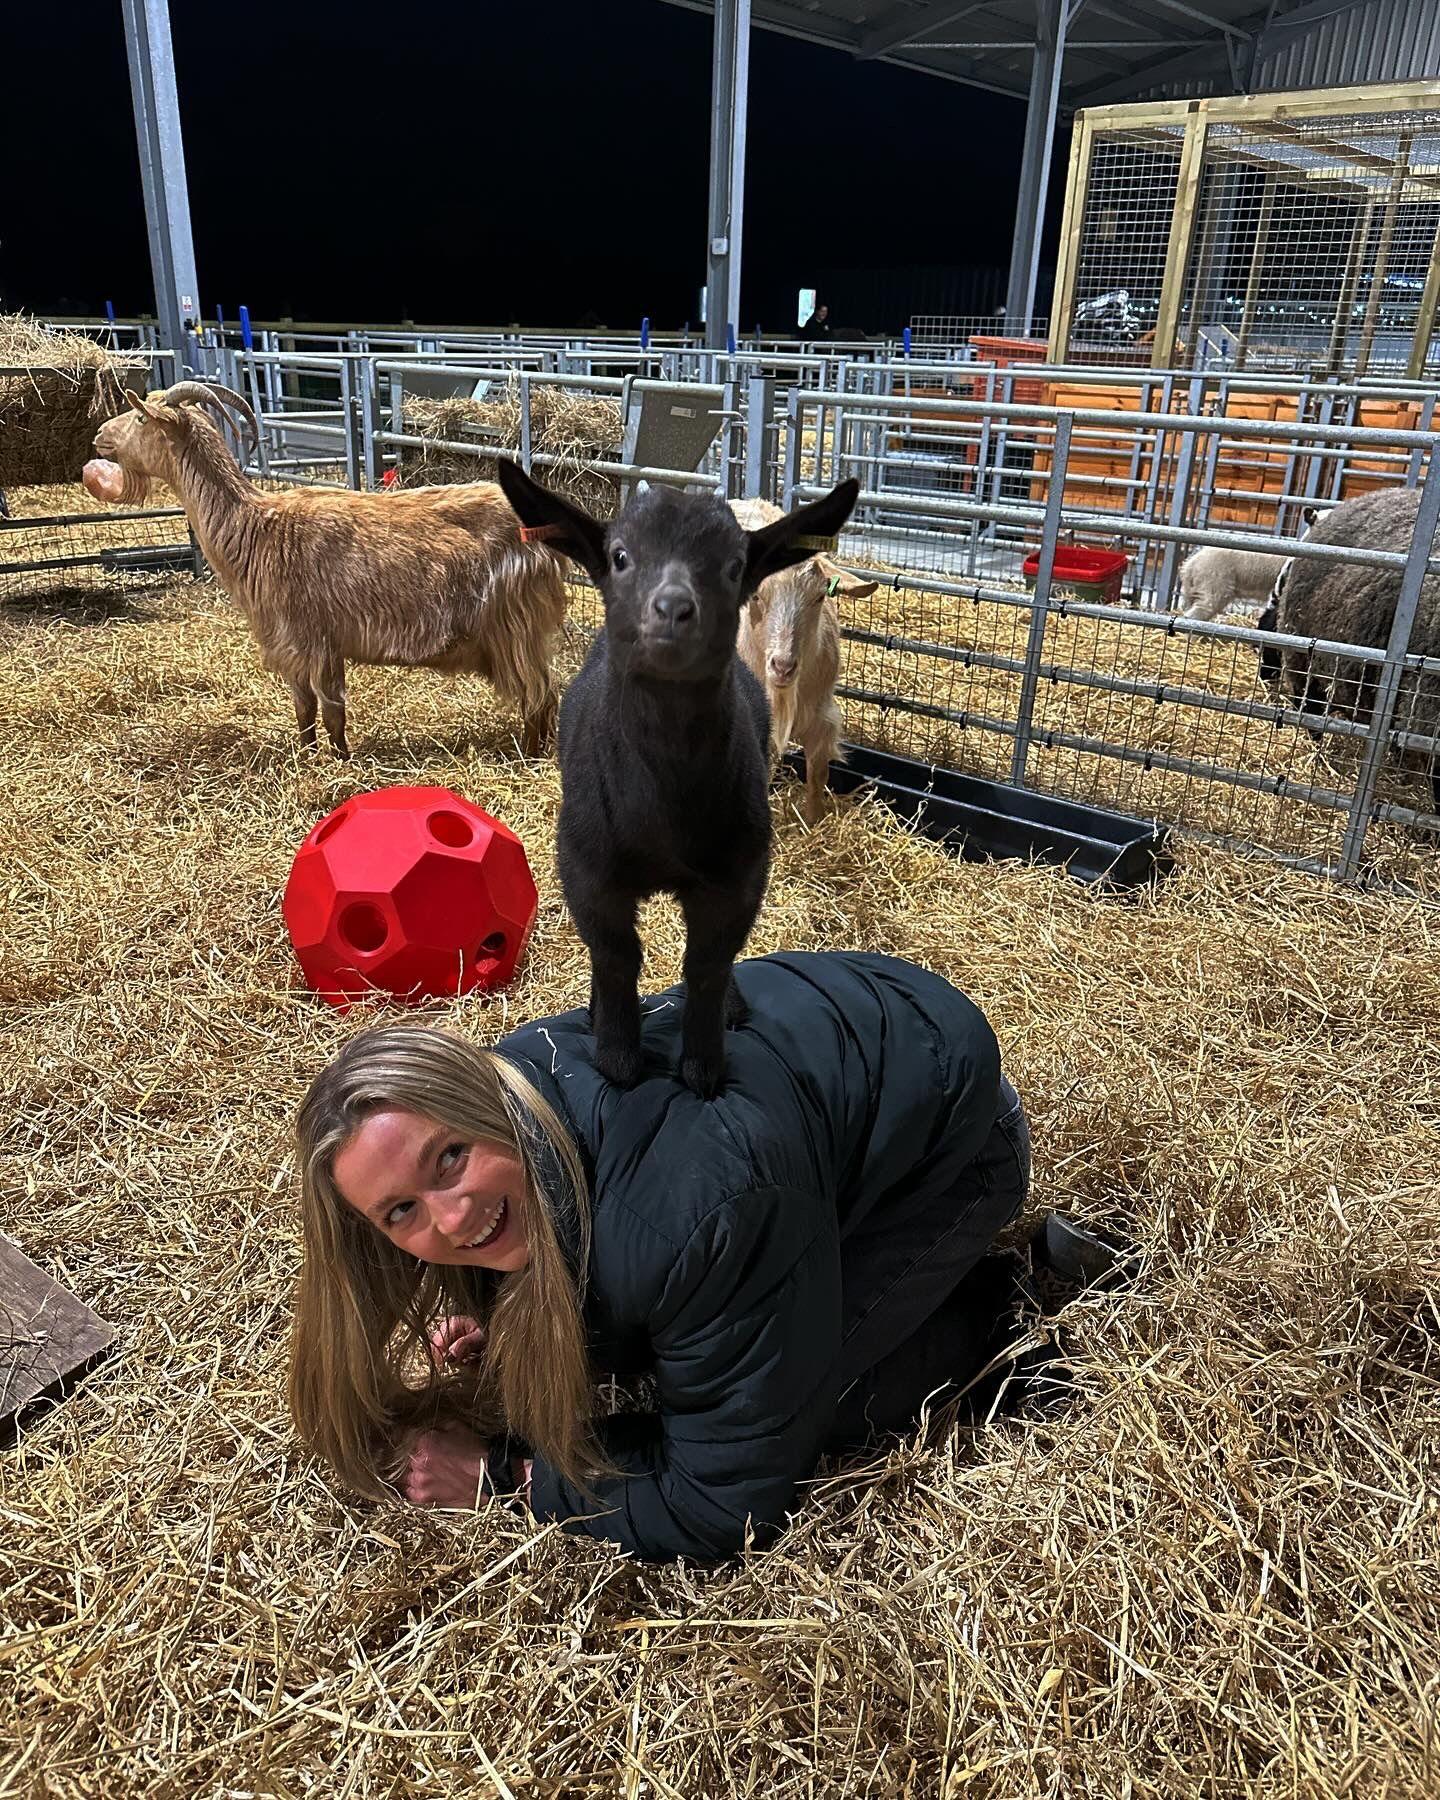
(606, 921)
(304, 697)
(537, 732)
(821, 740)
(717, 923)
(329, 682)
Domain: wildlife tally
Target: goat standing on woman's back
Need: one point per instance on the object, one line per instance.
(664, 750)
(434, 577)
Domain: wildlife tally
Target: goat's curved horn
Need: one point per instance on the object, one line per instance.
(210, 393)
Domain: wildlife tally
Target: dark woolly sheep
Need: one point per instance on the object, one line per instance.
(1350, 604)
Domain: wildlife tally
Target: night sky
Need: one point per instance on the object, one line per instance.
(456, 163)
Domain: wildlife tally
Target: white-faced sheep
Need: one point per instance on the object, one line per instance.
(1214, 578)
(790, 641)
(435, 577)
(1348, 603)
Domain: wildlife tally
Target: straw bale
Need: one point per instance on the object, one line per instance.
(1207, 1569)
(579, 428)
(56, 389)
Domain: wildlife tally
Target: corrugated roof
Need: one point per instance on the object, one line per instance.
(1129, 49)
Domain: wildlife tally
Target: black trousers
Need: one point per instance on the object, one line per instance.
(925, 1307)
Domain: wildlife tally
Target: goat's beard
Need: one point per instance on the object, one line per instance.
(111, 482)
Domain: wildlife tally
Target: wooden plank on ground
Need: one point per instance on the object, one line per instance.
(48, 1338)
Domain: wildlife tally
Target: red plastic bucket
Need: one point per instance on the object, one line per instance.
(1093, 575)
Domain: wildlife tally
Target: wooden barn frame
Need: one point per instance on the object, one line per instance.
(1219, 208)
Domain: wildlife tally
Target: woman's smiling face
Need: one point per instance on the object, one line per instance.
(436, 1195)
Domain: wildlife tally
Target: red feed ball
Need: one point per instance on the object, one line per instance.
(411, 891)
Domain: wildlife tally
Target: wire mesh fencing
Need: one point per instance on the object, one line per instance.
(1033, 537)
(1017, 629)
(59, 550)
(1294, 233)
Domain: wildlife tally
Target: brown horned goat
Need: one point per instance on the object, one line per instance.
(790, 641)
(434, 577)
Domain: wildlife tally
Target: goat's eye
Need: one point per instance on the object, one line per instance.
(619, 557)
(737, 568)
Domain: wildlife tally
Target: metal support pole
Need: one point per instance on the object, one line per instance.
(350, 418)
(1179, 499)
(162, 170)
(369, 406)
(527, 441)
(791, 474)
(730, 86)
(1045, 67)
(759, 438)
(1387, 689)
(1040, 601)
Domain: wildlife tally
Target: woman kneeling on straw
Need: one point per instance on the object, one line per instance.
(798, 1264)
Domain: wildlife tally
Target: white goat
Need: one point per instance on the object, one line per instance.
(435, 577)
(790, 640)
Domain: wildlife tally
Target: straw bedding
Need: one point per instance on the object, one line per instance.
(576, 428)
(1210, 1571)
(66, 386)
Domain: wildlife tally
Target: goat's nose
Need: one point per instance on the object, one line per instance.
(783, 667)
(673, 604)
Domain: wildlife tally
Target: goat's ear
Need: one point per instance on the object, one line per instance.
(841, 584)
(565, 526)
(1309, 514)
(136, 403)
(800, 534)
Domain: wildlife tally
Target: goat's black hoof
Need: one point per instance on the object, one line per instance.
(619, 1064)
(343, 752)
(702, 1075)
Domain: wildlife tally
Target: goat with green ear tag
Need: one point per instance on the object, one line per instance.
(790, 641)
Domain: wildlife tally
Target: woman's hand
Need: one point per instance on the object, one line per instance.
(445, 1469)
(458, 1339)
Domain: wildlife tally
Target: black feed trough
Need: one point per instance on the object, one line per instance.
(980, 819)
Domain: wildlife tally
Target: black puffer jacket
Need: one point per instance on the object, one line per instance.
(719, 1228)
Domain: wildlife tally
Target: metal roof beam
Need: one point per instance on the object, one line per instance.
(911, 22)
(1213, 59)
(790, 22)
(1262, 29)
(1144, 21)
(1051, 20)
(1230, 27)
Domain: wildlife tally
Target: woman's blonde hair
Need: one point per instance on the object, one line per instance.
(362, 1380)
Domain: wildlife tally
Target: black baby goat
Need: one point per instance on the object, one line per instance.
(664, 749)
